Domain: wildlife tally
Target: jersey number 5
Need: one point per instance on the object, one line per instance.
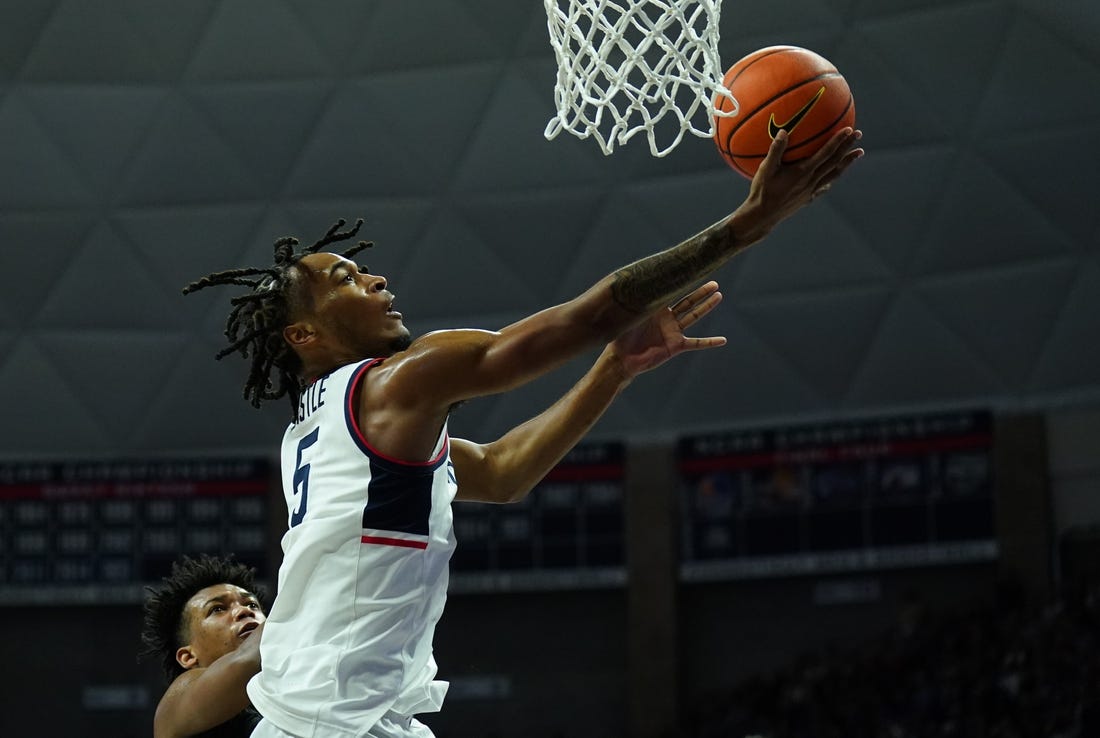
(301, 478)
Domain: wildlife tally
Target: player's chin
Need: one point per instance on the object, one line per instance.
(401, 341)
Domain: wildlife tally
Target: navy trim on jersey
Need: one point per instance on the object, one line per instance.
(399, 494)
(376, 456)
(398, 502)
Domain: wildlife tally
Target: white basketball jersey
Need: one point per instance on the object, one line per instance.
(364, 574)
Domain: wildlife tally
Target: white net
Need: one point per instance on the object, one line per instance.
(626, 66)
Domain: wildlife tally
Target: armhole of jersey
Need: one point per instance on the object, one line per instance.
(356, 433)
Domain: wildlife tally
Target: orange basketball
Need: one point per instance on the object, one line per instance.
(781, 87)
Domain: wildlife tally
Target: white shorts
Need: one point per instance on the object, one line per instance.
(391, 725)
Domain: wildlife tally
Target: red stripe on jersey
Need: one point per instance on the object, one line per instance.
(394, 542)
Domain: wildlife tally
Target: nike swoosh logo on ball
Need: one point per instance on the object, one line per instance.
(774, 128)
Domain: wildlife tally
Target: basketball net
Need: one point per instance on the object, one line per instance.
(624, 66)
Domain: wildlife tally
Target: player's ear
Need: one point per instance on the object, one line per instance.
(299, 333)
(185, 657)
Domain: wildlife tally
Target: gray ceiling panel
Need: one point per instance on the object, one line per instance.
(47, 416)
(915, 357)
(1003, 314)
(127, 41)
(19, 33)
(287, 112)
(1071, 358)
(185, 160)
(104, 286)
(37, 173)
(145, 143)
(98, 127)
(36, 247)
(439, 35)
(116, 387)
(1041, 81)
(969, 231)
(255, 40)
(744, 379)
(816, 249)
(824, 335)
(1052, 187)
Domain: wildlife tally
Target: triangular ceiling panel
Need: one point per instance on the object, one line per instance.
(455, 268)
(888, 111)
(744, 380)
(1071, 358)
(288, 111)
(256, 40)
(145, 143)
(822, 336)
(117, 374)
(817, 248)
(533, 40)
(742, 19)
(1041, 81)
(35, 247)
(435, 131)
(440, 35)
(335, 40)
(185, 160)
(702, 200)
(619, 235)
(500, 20)
(1004, 314)
(181, 245)
(904, 8)
(106, 285)
(97, 127)
(19, 33)
(537, 256)
(961, 236)
(914, 358)
(204, 390)
(511, 131)
(933, 80)
(1025, 160)
(1076, 21)
(35, 173)
(893, 220)
(127, 41)
(45, 416)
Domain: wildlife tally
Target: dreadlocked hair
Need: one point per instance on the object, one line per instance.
(164, 630)
(255, 324)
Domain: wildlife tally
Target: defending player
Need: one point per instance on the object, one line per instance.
(204, 622)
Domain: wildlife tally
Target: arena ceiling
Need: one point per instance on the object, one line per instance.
(144, 143)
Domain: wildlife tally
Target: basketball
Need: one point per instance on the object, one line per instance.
(781, 88)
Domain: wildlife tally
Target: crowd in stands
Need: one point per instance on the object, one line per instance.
(1012, 669)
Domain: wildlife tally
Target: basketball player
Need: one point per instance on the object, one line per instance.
(369, 471)
(205, 623)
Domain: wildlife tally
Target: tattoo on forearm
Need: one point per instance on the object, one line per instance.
(640, 286)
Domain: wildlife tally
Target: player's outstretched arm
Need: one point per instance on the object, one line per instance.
(506, 469)
(202, 698)
(459, 365)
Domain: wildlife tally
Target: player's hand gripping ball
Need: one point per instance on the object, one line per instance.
(781, 88)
